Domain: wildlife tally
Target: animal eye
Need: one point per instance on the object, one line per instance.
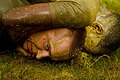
(46, 46)
(98, 28)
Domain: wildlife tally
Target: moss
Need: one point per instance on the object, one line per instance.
(83, 67)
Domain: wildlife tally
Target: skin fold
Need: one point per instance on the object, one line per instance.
(51, 43)
(55, 43)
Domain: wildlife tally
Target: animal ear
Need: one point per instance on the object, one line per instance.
(96, 26)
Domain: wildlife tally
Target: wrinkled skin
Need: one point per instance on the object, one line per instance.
(92, 40)
(103, 36)
(55, 43)
(80, 12)
(47, 16)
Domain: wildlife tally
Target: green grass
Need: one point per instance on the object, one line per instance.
(112, 5)
(83, 67)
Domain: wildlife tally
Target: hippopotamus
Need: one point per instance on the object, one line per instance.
(26, 25)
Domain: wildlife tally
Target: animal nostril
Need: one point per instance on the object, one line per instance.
(46, 46)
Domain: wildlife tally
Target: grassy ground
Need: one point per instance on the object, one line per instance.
(83, 67)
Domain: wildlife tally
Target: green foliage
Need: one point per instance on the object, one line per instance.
(112, 5)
